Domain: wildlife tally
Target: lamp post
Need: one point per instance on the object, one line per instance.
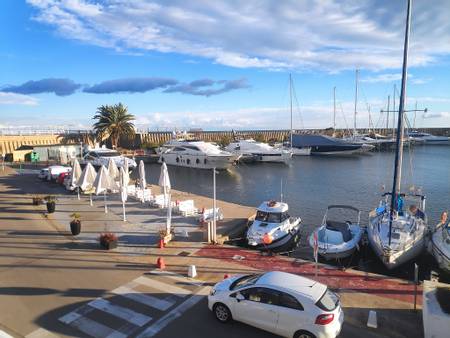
(214, 206)
(3, 161)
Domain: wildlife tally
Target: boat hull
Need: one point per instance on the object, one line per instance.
(301, 151)
(197, 161)
(282, 243)
(436, 248)
(393, 259)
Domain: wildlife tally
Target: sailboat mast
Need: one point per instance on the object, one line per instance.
(387, 114)
(393, 110)
(356, 101)
(334, 109)
(399, 149)
(290, 97)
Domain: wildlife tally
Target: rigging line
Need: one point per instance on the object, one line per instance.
(302, 125)
(343, 115)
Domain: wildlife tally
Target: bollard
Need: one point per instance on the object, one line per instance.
(192, 271)
(160, 263)
(161, 243)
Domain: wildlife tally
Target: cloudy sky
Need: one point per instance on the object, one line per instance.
(219, 64)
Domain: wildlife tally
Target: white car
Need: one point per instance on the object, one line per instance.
(51, 173)
(279, 302)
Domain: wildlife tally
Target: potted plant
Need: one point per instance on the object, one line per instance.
(51, 203)
(108, 240)
(36, 199)
(75, 224)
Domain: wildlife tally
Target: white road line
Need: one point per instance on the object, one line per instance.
(94, 329)
(3, 334)
(159, 304)
(118, 311)
(174, 314)
(180, 292)
(180, 278)
(39, 333)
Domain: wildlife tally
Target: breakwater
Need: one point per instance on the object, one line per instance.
(9, 143)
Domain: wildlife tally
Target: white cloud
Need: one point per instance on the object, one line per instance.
(330, 35)
(383, 78)
(19, 99)
(436, 115)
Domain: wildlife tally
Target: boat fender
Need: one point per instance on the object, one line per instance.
(267, 238)
(444, 217)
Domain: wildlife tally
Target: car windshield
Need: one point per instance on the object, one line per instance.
(329, 301)
(108, 154)
(244, 281)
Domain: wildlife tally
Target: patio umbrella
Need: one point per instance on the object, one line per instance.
(76, 174)
(113, 171)
(142, 181)
(164, 182)
(86, 180)
(103, 183)
(123, 183)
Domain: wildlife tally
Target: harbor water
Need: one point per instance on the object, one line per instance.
(311, 183)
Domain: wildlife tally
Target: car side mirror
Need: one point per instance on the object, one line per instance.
(239, 297)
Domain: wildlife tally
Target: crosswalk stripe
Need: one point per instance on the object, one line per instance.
(180, 292)
(118, 311)
(174, 314)
(159, 304)
(95, 329)
(177, 277)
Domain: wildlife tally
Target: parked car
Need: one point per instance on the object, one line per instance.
(52, 173)
(282, 303)
(61, 177)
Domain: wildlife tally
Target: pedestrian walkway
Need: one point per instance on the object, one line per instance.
(156, 298)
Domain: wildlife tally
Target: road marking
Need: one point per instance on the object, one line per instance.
(95, 329)
(159, 304)
(3, 334)
(180, 292)
(118, 311)
(177, 277)
(39, 333)
(174, 314)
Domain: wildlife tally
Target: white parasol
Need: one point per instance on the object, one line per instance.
(103, 183)
(164, 183)
(76, 174)
(142, 181)
(87, 179)
(123, 183)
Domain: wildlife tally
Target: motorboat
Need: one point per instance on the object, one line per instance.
(259, 151)
(195, 154)
(439, 245)
(337, 239)
(101, 156)
(273, 228)
(397, 234)
(402, 238)
(325, 145)
(426, 138)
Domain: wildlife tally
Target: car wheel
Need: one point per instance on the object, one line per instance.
(222, 313)
(304, 334)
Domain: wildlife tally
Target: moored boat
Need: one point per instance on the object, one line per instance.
(337, 239)
(273, 228)
(258, 151)
(439, 245)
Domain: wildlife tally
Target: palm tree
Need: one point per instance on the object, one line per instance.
(113, 122)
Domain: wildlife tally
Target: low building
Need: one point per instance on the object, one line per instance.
(60, 153)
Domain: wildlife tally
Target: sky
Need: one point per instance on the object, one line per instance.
(220, 65)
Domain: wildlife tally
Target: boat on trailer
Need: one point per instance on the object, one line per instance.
(273, 228)
(338, 239)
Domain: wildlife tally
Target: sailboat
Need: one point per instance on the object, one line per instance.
(396, 233)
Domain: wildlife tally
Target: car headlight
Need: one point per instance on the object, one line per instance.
(213, 292)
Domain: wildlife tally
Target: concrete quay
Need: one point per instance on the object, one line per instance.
(56, 284)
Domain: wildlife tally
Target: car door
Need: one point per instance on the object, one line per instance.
(258, 308)
(292, 316)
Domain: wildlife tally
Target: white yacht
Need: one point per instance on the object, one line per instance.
(396, 233)
(273, 228)
(101, 156)
(195, 154)
(425, 138)
(259, 151)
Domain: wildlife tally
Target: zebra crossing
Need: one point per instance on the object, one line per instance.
(141, 307)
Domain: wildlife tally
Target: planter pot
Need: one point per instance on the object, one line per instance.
(51, 206)
(75, 227)
(109, 245)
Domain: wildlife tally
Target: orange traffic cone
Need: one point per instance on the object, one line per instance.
(161, 243)
(160, 263)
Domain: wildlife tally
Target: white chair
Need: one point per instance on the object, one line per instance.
(208, 215)
(186, 208)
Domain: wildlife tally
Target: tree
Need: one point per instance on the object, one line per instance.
(113, 122)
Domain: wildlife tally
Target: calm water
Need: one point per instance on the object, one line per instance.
(311, 183)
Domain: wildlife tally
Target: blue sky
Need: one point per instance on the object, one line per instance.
(218, 64)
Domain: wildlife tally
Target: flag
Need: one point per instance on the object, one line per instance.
(316, 247)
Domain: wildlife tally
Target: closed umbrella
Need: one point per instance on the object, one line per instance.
(142, 181)
(113, 171)
(103, 183)
(76, 174)
(123, 183)
(87, 179)
(164, 183)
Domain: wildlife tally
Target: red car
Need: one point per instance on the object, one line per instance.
(61, 177)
